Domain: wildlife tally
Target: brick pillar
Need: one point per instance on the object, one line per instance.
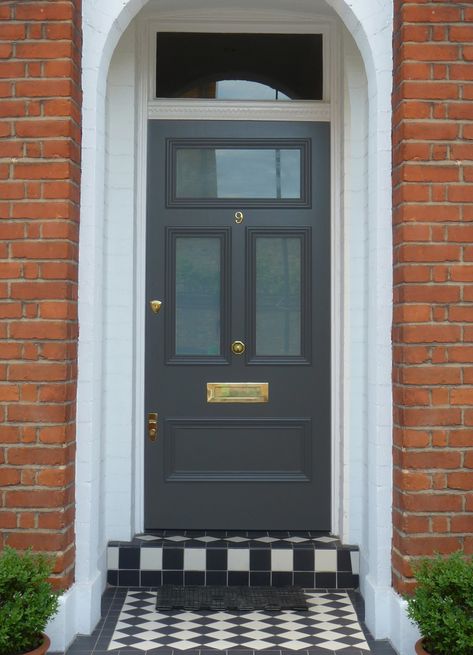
(40, 102)
(433, 275)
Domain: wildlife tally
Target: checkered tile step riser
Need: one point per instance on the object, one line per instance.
(330, 625)
(253, 561)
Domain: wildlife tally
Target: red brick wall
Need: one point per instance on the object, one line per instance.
(433, 273)
(39, 194)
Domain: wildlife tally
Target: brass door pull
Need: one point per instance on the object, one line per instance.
(238, 347)
(152, 426)
(155, 306)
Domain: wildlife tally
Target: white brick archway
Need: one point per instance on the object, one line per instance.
(104, 24)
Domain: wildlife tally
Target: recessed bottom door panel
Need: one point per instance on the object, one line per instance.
(246, 450)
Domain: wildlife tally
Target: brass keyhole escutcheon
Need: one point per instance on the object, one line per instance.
(239, 217)
(152, 426)
(155, 306)
(238, 347)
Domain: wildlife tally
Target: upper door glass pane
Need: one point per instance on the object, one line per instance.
(239, 66)
(224, 173)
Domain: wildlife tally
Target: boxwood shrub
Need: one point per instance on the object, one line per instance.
(27, 600)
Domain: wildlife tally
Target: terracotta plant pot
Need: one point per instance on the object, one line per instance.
(420, 650)
(42, 648)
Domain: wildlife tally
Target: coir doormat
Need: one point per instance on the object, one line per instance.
(171, 597)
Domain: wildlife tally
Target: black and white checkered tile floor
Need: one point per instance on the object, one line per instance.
(330, 623)
(132, 626)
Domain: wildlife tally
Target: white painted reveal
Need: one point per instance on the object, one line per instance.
(109, 498)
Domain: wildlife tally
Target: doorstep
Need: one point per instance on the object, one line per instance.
(313, 560)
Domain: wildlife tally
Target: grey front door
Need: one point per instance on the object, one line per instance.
(238, 357)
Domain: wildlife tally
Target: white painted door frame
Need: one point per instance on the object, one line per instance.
(329, 109)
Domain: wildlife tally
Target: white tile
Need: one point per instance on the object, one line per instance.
(183, 645)
(185, 634)
(194, 559)
(147, 537)
(295, 645)
(355, 561)
(282, 559)
(325, 560)
(257, 645)
(145, 645)
(151, 559)
(112, 558)
(220, 625)
(219, 645)
(238, 559)
(219, 634)
(257, 634)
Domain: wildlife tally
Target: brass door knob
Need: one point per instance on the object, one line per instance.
(238, 347)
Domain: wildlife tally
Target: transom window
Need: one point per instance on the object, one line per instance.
(239, 66)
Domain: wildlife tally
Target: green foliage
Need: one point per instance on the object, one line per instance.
(27, 600)
(442, 604)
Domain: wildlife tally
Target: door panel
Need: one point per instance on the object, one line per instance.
(250, 456)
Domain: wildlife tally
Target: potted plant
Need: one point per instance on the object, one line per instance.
(27, 602)
(442, 605)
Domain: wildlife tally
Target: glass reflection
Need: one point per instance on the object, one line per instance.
(278, 296)
(197, 296)
(235, 90)
(266, 173)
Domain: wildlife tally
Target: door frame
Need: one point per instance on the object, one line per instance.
(328, 110)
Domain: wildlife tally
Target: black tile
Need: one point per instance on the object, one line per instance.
(325, 580)
(282, 579)
(217, 559)
(260, 560)
(151, 578)
(194, 544)
(217, 534)
(128, 578)
(129, 558)
(304, 579)
(217, 578)
(260, 578)
(344, 560)
(173, 558)
(194, 578)
(112, 578)
(347, 580)
(173, 577)
(238, 578)
(254, 534)
(303, 559)
(281, 544)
